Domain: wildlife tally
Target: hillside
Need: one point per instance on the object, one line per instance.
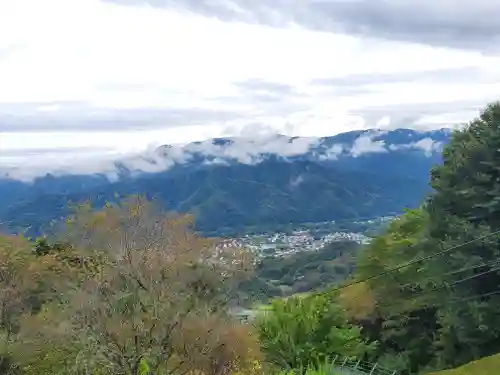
(230, 184)
(303, 271)
(484, 366)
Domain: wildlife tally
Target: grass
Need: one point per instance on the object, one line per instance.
(484, 366)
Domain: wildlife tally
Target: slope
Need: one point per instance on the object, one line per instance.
(484, 366)
(272, 192)
(234, 183)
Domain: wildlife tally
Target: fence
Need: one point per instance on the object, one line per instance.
(357, 367)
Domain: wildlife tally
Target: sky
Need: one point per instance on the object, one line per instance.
(88, 81)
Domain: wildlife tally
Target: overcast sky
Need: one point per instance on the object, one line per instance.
(89, 79)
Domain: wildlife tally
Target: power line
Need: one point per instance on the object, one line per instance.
(418, 260)
(489, 263)
(410, 298)
(484, 264)
(460, 300)
(445, 303)
(435, 289)
(444, 286)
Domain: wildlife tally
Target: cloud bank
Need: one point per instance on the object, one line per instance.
(249, 150)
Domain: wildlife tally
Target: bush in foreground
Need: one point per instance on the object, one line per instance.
(302, 332)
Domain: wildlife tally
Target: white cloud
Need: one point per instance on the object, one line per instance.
(366, 144)
(72, 70)
(332, 153)
(428, 145)
(249, 150)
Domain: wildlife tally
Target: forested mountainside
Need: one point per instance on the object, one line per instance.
(230, 184)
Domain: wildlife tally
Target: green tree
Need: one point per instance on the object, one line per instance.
(400, 320)
(466, 206)
(301, 332)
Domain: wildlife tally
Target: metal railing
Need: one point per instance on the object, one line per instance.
(354, 366)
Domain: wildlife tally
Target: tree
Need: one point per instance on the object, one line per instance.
(19, 282)
(156, 279)
(465, 206)
(397, 313)
(302, 332)
(358, 301)
(400, 243)
(432, 313)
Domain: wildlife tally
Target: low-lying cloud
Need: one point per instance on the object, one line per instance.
(247, 150)
(366, 143)
(428, 145)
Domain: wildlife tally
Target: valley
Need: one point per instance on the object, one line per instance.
(291, 259)
(310, 236)
(306, 258)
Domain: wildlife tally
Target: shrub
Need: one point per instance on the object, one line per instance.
(302, 332)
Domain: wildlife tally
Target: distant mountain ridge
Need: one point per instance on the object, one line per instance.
(237, 182)
(333, 148)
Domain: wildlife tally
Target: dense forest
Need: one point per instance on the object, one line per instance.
(130, 289)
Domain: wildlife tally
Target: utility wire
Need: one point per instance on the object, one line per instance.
(470, 268)
(445, 286)
(418, 260)
(489, 263)
(460, 300)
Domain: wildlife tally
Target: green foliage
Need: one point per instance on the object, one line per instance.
(403, 329)
(304, 271)
(416, 321)
(323, 368)
(402, 242)
(301, 332)
(237, 196)
(465, 206)
(144, 368)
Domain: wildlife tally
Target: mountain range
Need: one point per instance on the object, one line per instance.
(233, 183)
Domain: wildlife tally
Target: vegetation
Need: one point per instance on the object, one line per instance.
(304, 271)
(485, 366)
(443, 311)
(136, 287)
(322, 369)
(299, 332)
(130, 289)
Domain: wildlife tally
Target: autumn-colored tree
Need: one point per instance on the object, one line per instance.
(18, 282)
(230, 346)
(155, 278)
(358, 301)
